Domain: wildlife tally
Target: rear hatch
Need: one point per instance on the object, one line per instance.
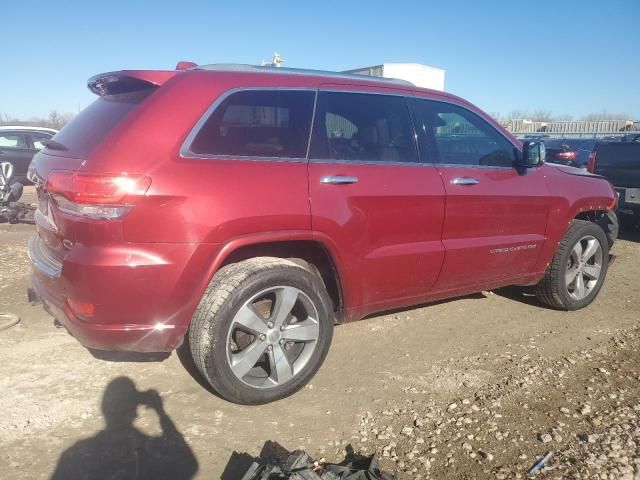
(57, 170)
(620, 163)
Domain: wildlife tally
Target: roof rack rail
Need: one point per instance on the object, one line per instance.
(239, 67)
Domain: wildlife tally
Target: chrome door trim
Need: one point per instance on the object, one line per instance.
(339, 179)
(464, 181)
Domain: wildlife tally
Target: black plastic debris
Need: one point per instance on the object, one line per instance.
(299, 466)
(16, 212)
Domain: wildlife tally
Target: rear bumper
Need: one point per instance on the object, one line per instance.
(144, 296)
(628, 200)
(111, 337)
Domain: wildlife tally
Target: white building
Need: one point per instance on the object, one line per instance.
(416, 73)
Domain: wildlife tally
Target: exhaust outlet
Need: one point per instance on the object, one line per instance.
(33, 297)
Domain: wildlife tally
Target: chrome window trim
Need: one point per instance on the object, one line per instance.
(185, 149)
(362, 92)
(186, 153)
(371, 162)
(475, 167)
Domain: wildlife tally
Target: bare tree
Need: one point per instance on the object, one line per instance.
(541, 116)
(517, 115)
(563, 117)
(604, 115)
(58, 120)
(55, 120)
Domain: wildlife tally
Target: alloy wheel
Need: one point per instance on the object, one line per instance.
(584, 267)
(272, 337)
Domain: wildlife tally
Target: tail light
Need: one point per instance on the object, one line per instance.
(591, 164)
(568, 156)
(82, 310)
(96, 196)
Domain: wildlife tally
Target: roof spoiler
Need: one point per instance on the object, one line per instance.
(126, 81)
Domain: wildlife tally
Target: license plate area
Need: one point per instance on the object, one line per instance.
(632, 195)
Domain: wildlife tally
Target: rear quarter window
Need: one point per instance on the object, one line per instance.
(87, 129)
(258, 123)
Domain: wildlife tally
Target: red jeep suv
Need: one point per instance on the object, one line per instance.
(246, 210)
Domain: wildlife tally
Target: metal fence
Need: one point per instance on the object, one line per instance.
(601, 128)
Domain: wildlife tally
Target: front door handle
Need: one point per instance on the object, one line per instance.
(465, 181)
(339, 179)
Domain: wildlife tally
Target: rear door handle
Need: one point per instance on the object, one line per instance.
(339, 179)
(465, 181)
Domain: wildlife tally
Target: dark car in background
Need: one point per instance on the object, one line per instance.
(18, 145)
(573, 152)
(619, 162)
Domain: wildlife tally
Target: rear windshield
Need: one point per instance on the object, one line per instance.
(87, 129)
(619, 155)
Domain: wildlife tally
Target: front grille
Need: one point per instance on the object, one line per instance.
(43, 259)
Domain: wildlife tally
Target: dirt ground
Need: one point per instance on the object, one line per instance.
(477, 387)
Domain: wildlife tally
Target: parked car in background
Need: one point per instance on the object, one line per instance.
(573, 152)
(619, 162)
(278, 202)
(18, 145)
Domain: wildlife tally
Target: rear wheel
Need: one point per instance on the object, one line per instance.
(262, 330)
(579, 267)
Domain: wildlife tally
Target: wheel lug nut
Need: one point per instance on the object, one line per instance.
(282, 328)
(270, 347)
(263, 337)
(270, 324)
(281, 342)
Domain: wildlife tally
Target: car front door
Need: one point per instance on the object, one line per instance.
(495, 217)
(372, 200)
(14, 149)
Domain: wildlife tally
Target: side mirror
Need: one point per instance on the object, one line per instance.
(533, 154)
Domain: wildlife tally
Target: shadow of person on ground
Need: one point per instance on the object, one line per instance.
(121, 451)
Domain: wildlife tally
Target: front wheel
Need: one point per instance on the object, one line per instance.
(578, 269)
(262, 330)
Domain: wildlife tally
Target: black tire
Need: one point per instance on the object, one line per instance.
(228, 291)
(610, 224)
(552, 289)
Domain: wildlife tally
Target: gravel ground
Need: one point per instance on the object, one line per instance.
(583, 407)
(477, 387)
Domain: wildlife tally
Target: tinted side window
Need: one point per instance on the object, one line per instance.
(12, 140)
(258, 123)
(462, 137)
(362, 127)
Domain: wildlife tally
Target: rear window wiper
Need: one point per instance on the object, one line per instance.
(53, 145)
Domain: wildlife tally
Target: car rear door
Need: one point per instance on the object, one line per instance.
(14, 149)
(495, 217)
(371, 199)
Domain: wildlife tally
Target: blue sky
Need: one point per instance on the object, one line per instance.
(569, 57)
